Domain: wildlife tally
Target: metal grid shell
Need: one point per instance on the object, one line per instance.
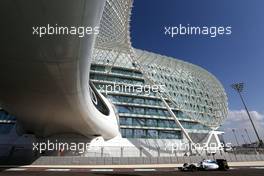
(195, 91)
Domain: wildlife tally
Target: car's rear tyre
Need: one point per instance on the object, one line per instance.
(193, 168)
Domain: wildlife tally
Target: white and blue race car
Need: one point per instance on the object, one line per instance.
(219, 164)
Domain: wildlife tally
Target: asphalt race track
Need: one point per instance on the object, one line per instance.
(235, 171)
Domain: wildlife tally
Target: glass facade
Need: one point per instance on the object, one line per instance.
(140, 115)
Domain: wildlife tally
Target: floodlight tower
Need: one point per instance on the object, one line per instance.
(239, 88)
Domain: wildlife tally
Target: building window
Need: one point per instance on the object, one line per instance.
(151, 123)
(123, 109)
(151, 111)
(139, 122)
(125, 121)
(127, 133)
(138, 110)
(138, 133)
(153, 134)
(170, 135)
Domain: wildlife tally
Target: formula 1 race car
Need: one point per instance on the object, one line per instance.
(219, 164)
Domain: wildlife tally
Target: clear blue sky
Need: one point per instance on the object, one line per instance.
(235, 58)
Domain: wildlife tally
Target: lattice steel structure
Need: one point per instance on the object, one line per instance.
(194, 92)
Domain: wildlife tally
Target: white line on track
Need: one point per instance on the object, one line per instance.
(102, 170)
(16, 169)
(58, 170)
(257, 167)
(144, 170)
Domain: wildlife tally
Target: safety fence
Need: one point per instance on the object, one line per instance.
(125, 155)
(66, 160)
